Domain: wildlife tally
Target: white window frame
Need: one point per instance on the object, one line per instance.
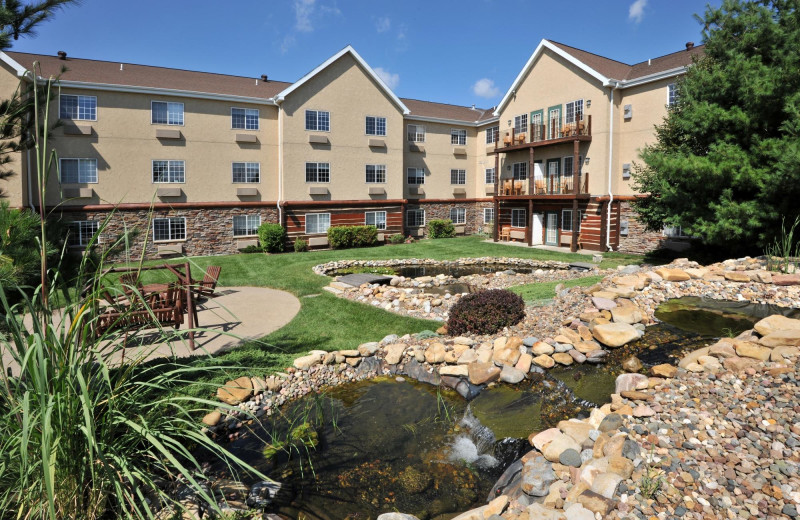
(489, 176)
(316, 121)
(169, 171)
(168, 103)
(673, 232)
(488, 215)
(521, 124)
(520, 171)
(419, 216)
(84, 236)
(419, 174)
(672, 94)
(458, 136)
(316, 219)
(515, 212)
(578, 103)
(378, 172)
(78, 99)
(377, 121)
(250, 168)
(378, 219)
(460, 216)
(459, 176)
(169, 232)
(247, 112)
(492, 134)
(564, 219)
(248, 225)
(80, 161)
(317, 172)
(414, 137)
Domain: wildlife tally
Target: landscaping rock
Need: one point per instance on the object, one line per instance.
(615, 334)
(627, 382)
(751, 350)
(562, 358)
(672, 275)
(481, 373)
(454, 370)
(775, 323)
(570, 457)
(627, 314)
(544, 361)
(368, 349)
(511, 375)
(790, 338)
(236, 391)
(631, 364)
(537, 475)
(540, 347)
(394, 353)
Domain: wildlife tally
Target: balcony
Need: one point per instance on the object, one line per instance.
(547, 186)
(543, 135)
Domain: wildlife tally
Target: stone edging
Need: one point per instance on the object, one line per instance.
(325, 269)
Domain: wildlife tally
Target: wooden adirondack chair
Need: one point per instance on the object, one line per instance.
(205, 288)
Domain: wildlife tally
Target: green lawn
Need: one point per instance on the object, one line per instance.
(538, 292)
(326, 322)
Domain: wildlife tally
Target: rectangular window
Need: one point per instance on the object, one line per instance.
(458, 215)
(490, 176)
(521, 124)
(458, 176)
(574, 111)
(415, 176)
(375, 218)
(317, 223)
(491, 134)
(488, 215)
(672, 94)
(376, 173)
(169, 171)
(246, 225)
(166, 113)
(172, 228)
(674, 232)
(566, 220)
(518, 218)
(246, 172)
(80, 233)
(244, 118)
(78, 108)
(416, 134)
(520, 171)
(78, 171)
(376, 125)
(567, 170)
(318, 120)
(458, 136)
(415, 217)
(318, 172)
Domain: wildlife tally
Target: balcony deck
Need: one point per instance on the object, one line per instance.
(540, 136)
(544, 189)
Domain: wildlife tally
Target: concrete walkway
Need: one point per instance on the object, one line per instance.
(236, 315)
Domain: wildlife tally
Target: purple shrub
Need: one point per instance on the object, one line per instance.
(486, 312)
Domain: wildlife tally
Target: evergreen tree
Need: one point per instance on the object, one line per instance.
(726, 163)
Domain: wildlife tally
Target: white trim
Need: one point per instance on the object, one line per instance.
(183, 112)
(233, 163)
(161, 91)
(170, 219)
(484, 215)
(305, 223)
(424, 132)
(524, 217)
(246, 216)
(385, 126)
(471, 124)
(347, 50)
(11, 62)
(415, 210)
(653, 77)
(458, 210)
(60, 95)
(169, 162)
(385, 219)
(79, 159)
(317, 111)
(376, 166)
(258, 119)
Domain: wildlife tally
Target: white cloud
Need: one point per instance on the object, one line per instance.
(303, 9)
(287, 43)
(390, 79)
(383, 24)
(485, 88)
(636, 11)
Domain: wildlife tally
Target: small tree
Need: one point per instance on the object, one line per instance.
(272, 237)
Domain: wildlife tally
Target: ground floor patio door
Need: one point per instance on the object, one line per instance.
(551, 236)
(537, 221)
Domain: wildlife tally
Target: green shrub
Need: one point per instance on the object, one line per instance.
(485, 312)
(441, 229)
(341, 237)
(252, 249)
(272, 237)
(300, 245)
(397, 238)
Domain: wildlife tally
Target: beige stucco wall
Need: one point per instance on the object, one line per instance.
(649, 107)
(124, 142)
(346, 91)
(439, 158)
(13, 188)
(483, 160)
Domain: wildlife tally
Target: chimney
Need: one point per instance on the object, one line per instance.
(689, 45)
(62, 55)
(264, 78)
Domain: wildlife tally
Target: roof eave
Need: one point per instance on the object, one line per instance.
(677, 71)
(443, 120)
(11, 62)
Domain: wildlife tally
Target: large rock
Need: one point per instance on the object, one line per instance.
(212, 418)
(544, 361)
(480, 373)
(775, 323)
(615, 334)
(236, 391)
(538, 511)
(737, 276)
(786, 279)
(629, 314)
(467, 357)
(507, 356)
(631, 364)
(537, 475)
(606, 484)
(571, 336)
(394, 353)
(664, 370)
(575, 512)
(559, 444)
(578, 430)
(595, 502)
(692, 357)
(673, 275)
(627, 382)
(584, 347)
(368, 349)
(540, 347)
(752, 350)
(435, 353)
(540, 439)
(781, 338)
(511, 375)
(454, 370)
(524, 363)
(308, 361)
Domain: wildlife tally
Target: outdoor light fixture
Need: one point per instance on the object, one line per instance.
(509, 122)
(588, 103)
(587, 161)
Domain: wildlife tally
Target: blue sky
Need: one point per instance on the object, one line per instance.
(462, 52)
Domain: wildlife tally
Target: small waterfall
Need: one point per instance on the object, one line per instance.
(475, 443)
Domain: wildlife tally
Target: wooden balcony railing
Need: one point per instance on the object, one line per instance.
(541, 133)
(565, 185)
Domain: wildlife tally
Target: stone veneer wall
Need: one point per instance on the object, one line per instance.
(208, 231)
(639, 240)
(441, 210)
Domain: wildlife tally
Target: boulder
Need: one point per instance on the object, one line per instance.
(738, 364)
(786, 279)
(673, 275)
(615, 334)
(621, 292)
(664, 370)
(507, 356)
(606, 484)
(236, 391)
(751, 350)
(511, 375)
(724, 348)
(737, 276)
(540, 347)
(781, 353)
(627, 314)
(308, 361)
(578, 430)
(631, 364)
(454, 370)
(394, 353)
(212, 418)
(696, 273)
(584, 347)
(775, 323)
(435, 353)
(538, 440)
(562, 358)
(467, 357)
(559, 444)
(480, 373)
(544, 361)
(496, 506)
(367, 349)
(576, 511)
(571, 336)
(780, 338)
(632, 281)
(627, 382)
(537, 475)
(524, 363)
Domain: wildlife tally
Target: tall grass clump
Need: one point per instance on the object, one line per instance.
(784, 253)
(82, 435)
